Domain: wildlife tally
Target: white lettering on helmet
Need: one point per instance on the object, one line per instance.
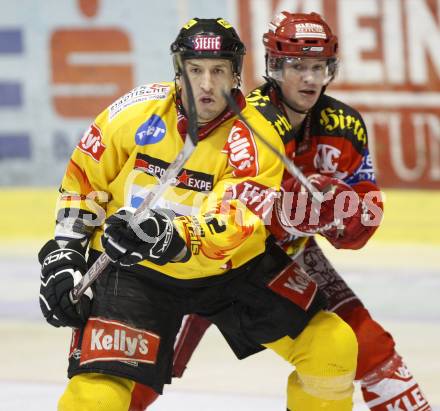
(207, 43)
(312, 30)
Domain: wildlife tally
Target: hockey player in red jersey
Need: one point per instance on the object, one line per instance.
(202, 249)
(327, 140)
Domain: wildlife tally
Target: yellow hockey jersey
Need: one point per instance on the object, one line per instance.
(220, 197)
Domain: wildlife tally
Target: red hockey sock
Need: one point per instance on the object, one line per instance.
(376, 345)
(141, 397)
(391, 387)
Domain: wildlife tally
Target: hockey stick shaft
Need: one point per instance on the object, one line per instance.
(288, 163)
(141, 213)
(166, 180)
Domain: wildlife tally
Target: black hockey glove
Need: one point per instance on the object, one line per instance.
(155, 239)
(61, 270)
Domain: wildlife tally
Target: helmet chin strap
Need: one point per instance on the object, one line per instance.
(291, 107)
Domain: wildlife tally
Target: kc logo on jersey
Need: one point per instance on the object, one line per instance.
(242, 151)
(326, 158)
(294, 284)
(105, 340)
(91, 143)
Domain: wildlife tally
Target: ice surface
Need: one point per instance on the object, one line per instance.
(401, 290)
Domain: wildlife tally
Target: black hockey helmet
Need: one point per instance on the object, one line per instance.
(208, 38)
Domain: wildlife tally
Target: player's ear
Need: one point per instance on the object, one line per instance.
(236, 81)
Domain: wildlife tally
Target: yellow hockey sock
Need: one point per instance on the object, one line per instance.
(96, 392)
(324, 355)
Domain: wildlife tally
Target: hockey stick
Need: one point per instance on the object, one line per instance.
(166, 180)
(288, 163)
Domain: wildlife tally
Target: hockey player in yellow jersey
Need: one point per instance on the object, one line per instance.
(203, 249)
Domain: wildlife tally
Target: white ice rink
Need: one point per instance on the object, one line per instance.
(399, 284)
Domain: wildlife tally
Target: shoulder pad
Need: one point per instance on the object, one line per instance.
(260, 99)
(154, 91)
(340, 120)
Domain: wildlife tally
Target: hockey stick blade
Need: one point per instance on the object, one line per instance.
(166, 180)
(288, 163)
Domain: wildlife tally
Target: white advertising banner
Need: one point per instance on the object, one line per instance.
(62, 62)
(390, 71)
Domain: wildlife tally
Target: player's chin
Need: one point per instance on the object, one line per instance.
(309, 98)
(205, 115)
(305, 104)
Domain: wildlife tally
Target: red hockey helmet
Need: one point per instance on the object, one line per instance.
(300, 35)
(296, 36)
